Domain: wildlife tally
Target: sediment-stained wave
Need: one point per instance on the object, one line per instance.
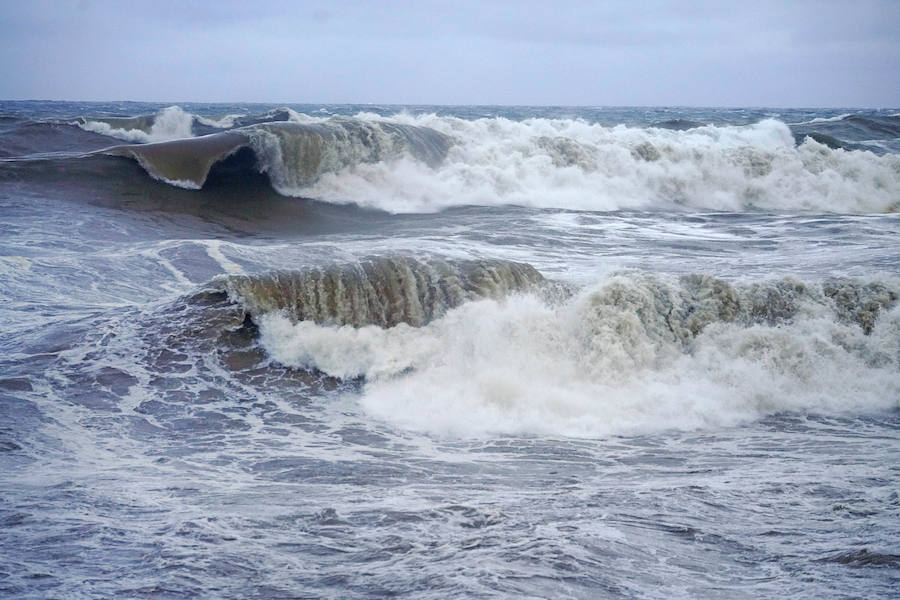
(183, 163)
(294, 155)
(492, 346)
(635, 351)
(382, 291)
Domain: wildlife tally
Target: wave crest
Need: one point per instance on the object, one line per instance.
(382, 291)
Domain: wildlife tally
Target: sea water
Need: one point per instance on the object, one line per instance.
(357, 351)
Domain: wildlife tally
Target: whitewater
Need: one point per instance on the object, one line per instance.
(262, 351)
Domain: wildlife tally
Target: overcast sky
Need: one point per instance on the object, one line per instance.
(634, 52)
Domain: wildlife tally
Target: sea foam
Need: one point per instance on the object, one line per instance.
(573, 164)
(171, 123)
(634, 353)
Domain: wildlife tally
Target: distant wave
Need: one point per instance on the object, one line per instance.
(878, 133)
(833, 119)
(172, 123)
(633, 352)
(427, 163)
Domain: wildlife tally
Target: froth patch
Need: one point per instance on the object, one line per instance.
(572, 164)
(632, 354)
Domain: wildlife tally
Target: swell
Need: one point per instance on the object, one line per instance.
(24, 138)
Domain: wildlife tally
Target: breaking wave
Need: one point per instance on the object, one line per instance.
(382, 291)
(636, 352)
(293, 155)
(171, 123)
(577, 165)
(429, 163)
(877, 133)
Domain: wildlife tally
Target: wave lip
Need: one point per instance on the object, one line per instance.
(382, 291)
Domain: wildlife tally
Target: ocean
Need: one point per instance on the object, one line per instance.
(357, 351)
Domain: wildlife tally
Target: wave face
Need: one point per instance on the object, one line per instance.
(294, 155)
(634, 353)
(184, 163)
(383, 291)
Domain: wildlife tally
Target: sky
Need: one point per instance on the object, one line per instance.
(781, 53)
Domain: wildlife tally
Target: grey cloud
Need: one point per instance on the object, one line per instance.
(827, 52)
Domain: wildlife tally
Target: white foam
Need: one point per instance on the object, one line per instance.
(298, 117)
(223, 122)
(154, 173)
(171, 123)
(573, 164)
(214, 251)
(596, 368)
(825, 119)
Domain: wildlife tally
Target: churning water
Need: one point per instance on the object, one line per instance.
(432, 352)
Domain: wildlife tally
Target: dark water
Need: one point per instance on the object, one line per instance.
(438, 352)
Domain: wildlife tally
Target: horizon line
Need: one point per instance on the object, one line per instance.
(450, 105)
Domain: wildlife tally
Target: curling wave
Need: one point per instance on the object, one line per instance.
(636, 352)
(293, 155)
(427, 163)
